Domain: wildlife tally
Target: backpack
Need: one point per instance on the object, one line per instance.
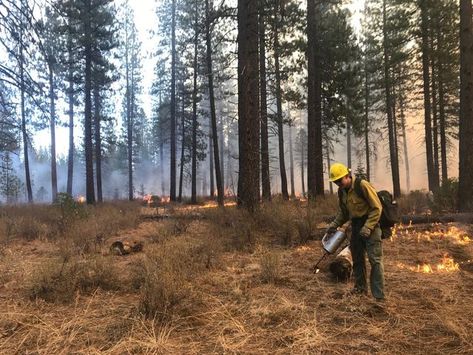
(390, 214)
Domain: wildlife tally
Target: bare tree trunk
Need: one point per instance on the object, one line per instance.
(194, 113)
(218, 172)
(181, 169)
(265, 177)
(435, 133)
(465, 178)
(248, 105)
(315, 183)
(173, 105)
(389, 110)
(24, 132)
(98, 144)
(89, 165)
(279, 119)
(211, 162)
(303, 167)
(328, 162)
(70, 95)
(52, 109)
(291, 167)
(433, 184)
(404, 140)
(443, 134)
(129, 120)
(221, 138)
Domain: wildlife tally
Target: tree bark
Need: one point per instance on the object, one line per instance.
(433, 185)
(404, 140)
(173, 104)
(465, 177)
(265, 176)
(89, 167)
(52, 109)
(181, 169)
(98, 144)
(24, 131)
(315, 182)
(389, 110)
(443, 134)
(70, 96)
(248, 105)
(218, 172)
(194, 113)
(291, 162)
(279, 116)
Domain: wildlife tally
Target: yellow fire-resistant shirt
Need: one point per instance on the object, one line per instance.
(354, 206)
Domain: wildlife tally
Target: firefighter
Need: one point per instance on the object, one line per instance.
(366, 233)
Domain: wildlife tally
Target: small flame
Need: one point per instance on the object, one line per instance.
(80, 199)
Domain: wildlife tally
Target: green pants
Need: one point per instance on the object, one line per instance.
(373, 247)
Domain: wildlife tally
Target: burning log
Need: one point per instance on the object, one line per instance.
(342, 266)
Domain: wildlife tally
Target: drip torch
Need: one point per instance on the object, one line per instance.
(330, 243)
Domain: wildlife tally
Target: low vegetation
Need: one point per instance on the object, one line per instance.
(212, 280)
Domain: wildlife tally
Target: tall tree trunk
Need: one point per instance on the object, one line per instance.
(181, 168)
(24, 131)
(433, 185)
(443, 134)
(173, 104)
(328, 162)
(248, 105)
(218, 172)
(291, 163)
(98, 144)
(70, 99)
(211, 162)
(404, 140)
(389, 110)
(315, 182)
(52, 109)
(465, 177)
(435, 119)
(194, 112)
(279, 116)
(89, 165)
(265, 177)
(303, 167)
(221, 138)
(129, 119)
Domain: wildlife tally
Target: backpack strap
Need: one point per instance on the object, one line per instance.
(357, 187)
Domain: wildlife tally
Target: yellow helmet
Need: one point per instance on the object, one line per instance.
(337, 171)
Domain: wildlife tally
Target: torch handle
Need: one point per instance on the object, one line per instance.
(315, 268)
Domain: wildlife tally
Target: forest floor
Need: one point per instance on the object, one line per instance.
(211, 282)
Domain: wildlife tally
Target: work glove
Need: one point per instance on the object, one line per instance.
(365, 232)
(332, 228)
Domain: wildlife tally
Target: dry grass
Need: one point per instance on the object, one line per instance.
(198, 291)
